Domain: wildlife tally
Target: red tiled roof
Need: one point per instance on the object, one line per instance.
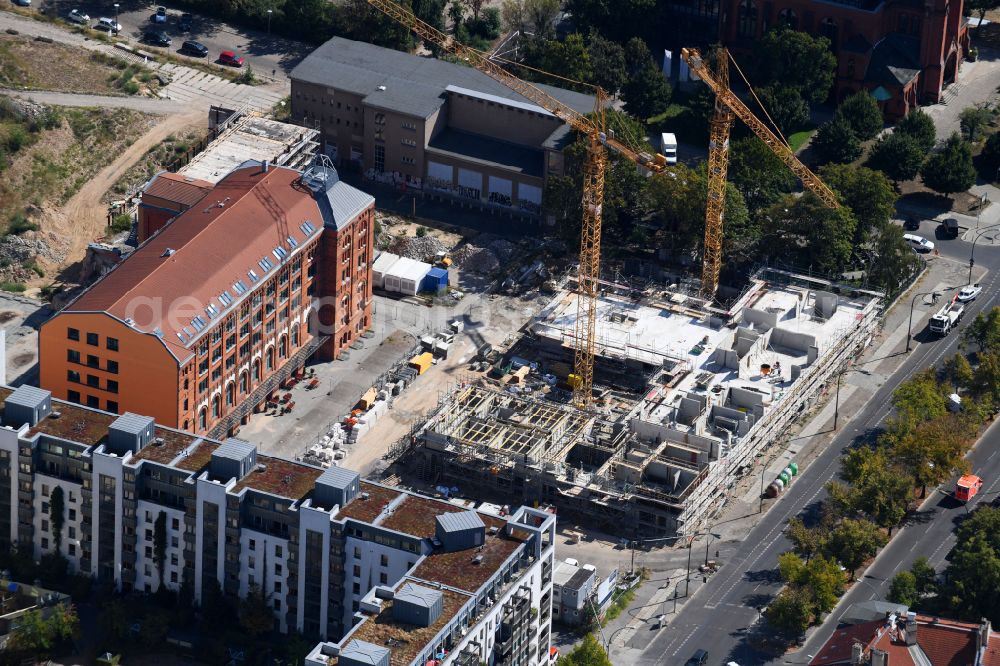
(180, 189)
(944, 643)
(947, 643)
(837, 649)
(185, 267)
(991, 656)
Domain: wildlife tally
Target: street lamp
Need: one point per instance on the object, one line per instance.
(972, 253)
(269, 12)
(116, 17)
(909, 327)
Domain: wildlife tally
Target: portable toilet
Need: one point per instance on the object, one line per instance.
(436, 281)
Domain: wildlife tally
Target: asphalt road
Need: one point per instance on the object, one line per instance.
(269, 55)
(717, 617)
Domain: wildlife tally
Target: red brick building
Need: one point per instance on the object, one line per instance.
(204, 321)
(165, 197)
(904, 51)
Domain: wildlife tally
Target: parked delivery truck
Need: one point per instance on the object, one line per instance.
(947, 317)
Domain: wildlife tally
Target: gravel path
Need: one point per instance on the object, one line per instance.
(144, 104)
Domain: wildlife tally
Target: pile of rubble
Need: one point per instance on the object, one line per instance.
(486, 255)
(421, 249)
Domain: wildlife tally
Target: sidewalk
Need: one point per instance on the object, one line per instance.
(803, 442)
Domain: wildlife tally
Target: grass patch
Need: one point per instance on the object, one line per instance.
(619, 604)
(14, 287)
(798, 139)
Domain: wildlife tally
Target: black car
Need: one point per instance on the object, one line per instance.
(698, 658)
(911, 223)
(194, 48)
(157, 38)
(184, 24)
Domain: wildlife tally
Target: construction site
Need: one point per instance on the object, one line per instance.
(686, 395)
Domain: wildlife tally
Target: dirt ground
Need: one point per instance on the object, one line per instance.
(83, 218)
(26, 63)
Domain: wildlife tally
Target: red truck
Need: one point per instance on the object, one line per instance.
(967, 487)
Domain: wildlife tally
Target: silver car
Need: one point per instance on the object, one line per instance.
(76, 16)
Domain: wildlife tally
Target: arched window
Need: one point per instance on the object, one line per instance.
(282, 347)
(295, 336)
(828, 29)
(230, 394)
(269, 355)
(748, 18)
(788, 17)
(216, 407)
(203, 419)
(256, 370)
(244, 382)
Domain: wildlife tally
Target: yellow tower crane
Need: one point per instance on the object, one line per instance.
(727, 104)
(595, 130)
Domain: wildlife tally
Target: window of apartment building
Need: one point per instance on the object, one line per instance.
(408, 142)
(384, 560)
(73, 376)
(277, 569)
(270, 327)
(357, 553)
(113, 367)
(245, 329)
(277, 553)
(379, 159)
(93, 380)
(203, 348)
(216, 354)
(72, 356)
(203, 386)
(73, 396)
(112, 406)
(93, 401)
(230, 342)
(357, 571)
(112, 386)
(112, 344)
(203, 366)
(356, 588)
(174, 542)
(216, 374)
(407, 160)
(231, 362)
(383, 578)
(216, 336)
(409, 126)
(93, 361)
(45, 543)
(45, 526)
(73, 334)
(93, 339)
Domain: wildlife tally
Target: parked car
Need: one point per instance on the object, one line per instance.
(160, 16)
(918, 243)
(949, 227)
(194, 48)
(185, 22)
(969, 292)
(22, 3)
(911, 223)
(231, 59)
(698, 658)
(108, 24)
(76, 16)
(156, 38)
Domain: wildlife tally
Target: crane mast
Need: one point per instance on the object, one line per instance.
(593, 181)
(718, 167)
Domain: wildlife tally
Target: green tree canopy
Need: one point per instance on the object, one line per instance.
(590, 652)
(990, 155)
(835, 141)
(893, 261)
(950, 170)
(984, 331)
(807, 541)
(647, 93)
(920, 127)
(607, 59)
(898, 156)
(861, 113)
(972, 120)
(973, 589)
(853, 542)
(796, 60)
(934, 450)
(569, 59)
(803, 231)
(868, 194)
(903, 589)
(760, 175)
(791, 612)
(785, 106)
(255, 614)
(920, 398)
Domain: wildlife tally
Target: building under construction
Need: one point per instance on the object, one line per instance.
(688, 395)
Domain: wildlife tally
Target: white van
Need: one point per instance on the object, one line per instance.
(918, 243)
(668, 147)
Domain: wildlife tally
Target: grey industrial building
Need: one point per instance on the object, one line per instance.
(431, 126)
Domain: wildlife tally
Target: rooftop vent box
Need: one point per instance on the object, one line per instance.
(461, 530)
(130, 432)
(233, 460)
(27, 404)
(362, 653)
(336, 487)
(418, 605)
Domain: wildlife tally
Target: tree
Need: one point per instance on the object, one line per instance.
(972, 120)
(569, 58)
(825, 581)
(57, 509)
(646, 94)
(796, 60)
(990, 156)
(608, 62)
(950, 170)
(973, 575)
(806, 540)
(791, 611)
(860, 111)
(804, 232)
(893, 262)
(759, 175)
(920, 127)
(590, 652)
(897, 155)
(920, 398)
(933, 450)
(984, 331)
(835, 141)
(512, 15)
(540, 15)
(853, 542)
(785, 106)
(791, 568)
(878, 490)
(903, 589)
(637, 56)
(924, 575)
(40, 635)
(868, 194)
(256, 616)
(475, 6)
(486, 25)
(456, 12)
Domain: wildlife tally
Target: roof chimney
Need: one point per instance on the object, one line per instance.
(880, 658)
(857, 654)
(911, 632)
(263, 166)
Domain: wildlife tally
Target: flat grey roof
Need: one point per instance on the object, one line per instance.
(234, 449)
(338, 477)
(460, 521)
(418, 595)
(28, 396)
(414, 85)
(363, 652)
(488, 152)
(133, 424)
